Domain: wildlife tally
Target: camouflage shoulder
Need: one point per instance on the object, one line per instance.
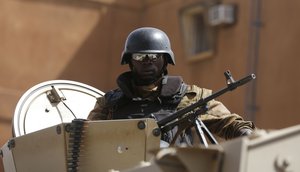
(197, 91)
(192, 95)
(113, 96)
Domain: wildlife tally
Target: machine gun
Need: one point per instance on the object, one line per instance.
(188, 116)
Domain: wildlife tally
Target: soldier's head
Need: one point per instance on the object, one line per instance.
(148, 52)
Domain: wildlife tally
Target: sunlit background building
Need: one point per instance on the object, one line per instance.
(82, 40)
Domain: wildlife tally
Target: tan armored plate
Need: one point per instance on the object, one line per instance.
(51, 103)
(47, 138)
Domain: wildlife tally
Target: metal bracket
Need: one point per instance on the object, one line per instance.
(54, 95)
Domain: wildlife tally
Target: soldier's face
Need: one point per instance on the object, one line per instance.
(147, 68)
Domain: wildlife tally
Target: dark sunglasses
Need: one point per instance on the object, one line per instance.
(142, 57)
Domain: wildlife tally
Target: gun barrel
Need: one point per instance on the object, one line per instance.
(203, 101)
(246, 79)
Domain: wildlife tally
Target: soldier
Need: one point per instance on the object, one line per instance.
(148, 91)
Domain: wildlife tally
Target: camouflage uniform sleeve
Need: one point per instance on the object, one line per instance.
(97, 112)
(222, 122)
(218, 119)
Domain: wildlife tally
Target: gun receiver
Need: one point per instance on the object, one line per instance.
(170, 121)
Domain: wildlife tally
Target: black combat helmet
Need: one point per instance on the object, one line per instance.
(147, 40)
